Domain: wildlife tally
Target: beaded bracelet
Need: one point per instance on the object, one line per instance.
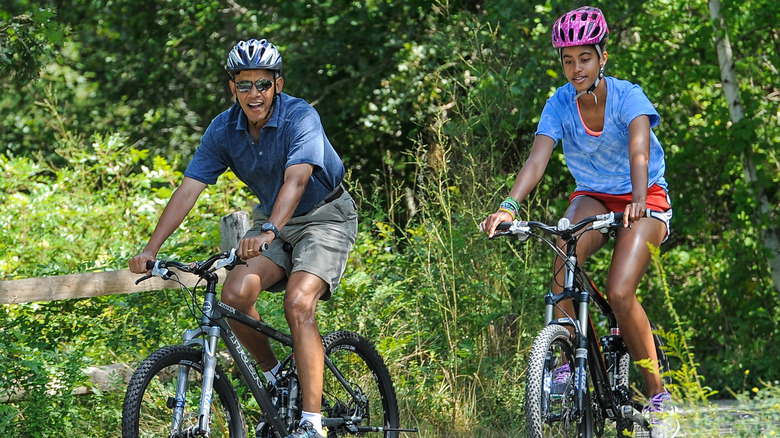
(506, 210)
(513, 202)
(510, 206)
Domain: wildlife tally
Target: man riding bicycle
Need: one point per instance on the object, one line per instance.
(276, 145)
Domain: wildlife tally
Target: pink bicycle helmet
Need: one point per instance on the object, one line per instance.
(580, 27)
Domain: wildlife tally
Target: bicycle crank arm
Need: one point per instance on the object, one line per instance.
(639, 420)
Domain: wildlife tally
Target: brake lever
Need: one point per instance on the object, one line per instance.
(161, 271)
(499, 234)
(145, 277)
(231, 261)
(233, 265)
(157, 271)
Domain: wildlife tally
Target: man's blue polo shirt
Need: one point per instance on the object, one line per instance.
(293, 135)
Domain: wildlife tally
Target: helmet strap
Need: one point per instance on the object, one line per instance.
(592, 88)
(273, 104)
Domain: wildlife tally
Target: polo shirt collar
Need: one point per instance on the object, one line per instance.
(273, 121)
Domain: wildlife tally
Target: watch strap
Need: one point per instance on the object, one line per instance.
(268, 226)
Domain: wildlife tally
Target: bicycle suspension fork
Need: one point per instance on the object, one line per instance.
(581, 351)
(209, 347)
(582, 300)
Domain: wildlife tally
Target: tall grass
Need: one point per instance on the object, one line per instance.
(465, 311)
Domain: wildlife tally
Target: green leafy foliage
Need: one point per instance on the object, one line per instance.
(26, 42)
(48, 216)
(433, 106)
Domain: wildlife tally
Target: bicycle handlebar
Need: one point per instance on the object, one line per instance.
(523, 229)
(227, 260)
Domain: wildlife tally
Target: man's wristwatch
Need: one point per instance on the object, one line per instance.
(268, 226)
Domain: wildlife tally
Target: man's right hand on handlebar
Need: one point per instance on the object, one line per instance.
(491, 222)
(253, 246)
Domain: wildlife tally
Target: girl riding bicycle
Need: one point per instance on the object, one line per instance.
(618, 164)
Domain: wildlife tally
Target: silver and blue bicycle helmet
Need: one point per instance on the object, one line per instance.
(254, 55)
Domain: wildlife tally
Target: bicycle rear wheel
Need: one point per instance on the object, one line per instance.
(148, 409)
(550, 408)
(369, 402)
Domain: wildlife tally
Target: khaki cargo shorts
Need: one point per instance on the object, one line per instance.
(317, 242)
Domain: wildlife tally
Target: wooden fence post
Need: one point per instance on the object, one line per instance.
(232, 228)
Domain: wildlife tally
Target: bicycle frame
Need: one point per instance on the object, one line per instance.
(214, 325)
(613, 400)
(584, 293)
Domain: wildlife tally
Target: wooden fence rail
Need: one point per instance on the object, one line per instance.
(231, 228)
(95, 284)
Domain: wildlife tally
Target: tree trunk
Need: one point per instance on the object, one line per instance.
(728, 75)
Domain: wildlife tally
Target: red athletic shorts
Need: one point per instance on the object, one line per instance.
(657, 199)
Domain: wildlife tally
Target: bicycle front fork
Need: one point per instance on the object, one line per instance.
(580, 337)
(209, 347)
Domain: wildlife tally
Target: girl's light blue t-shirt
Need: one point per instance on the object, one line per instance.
(601, 164)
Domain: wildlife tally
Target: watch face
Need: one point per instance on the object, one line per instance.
(269, 227)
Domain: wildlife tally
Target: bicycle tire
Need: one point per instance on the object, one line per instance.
(632, 380)
(376, 405)
(147, 410)
(550, 413)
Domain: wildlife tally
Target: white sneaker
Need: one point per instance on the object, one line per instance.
(305, 430)
(663, 416)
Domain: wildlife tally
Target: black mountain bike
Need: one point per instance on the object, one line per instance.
(182, 391)
(604, 382)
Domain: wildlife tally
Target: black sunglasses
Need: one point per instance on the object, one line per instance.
(246, 86)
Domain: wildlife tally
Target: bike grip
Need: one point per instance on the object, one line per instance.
(264, 246)
(150, 265)
(503, 226)
(619, 214)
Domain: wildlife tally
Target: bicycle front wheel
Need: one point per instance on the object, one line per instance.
(152, 408)
(549, 407)
(365, 400)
